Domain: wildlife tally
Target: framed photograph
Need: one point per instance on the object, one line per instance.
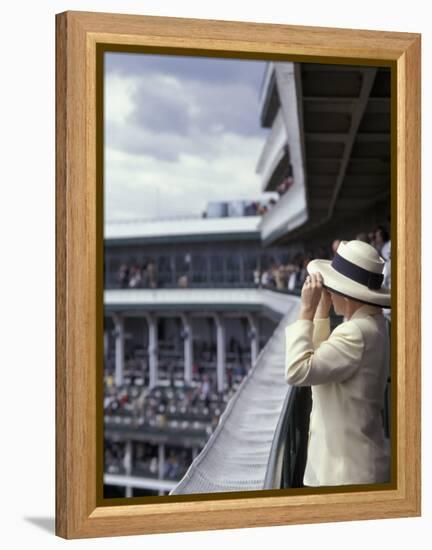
(238, 274)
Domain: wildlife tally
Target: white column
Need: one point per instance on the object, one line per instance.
(220, 343)
(152, 350)
(254, 338)
(119, 349)
(188, 347)
(127, 463)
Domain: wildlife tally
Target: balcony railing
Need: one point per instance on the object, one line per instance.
(273, 151)
(287, 214)
(287, 458)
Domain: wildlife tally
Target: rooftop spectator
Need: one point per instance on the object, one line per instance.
(335, 245)
(123, 276)
(382, 241)
(363, 237)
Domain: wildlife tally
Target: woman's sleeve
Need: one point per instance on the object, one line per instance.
(334, 360)
(321, 331)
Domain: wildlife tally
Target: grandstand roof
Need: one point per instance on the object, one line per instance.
(183, 229)
(346, 122)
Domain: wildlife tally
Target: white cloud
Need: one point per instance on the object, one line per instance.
(141, 186)
(118, 97)
(173, 145)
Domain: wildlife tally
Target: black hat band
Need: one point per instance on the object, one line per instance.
(358, 274)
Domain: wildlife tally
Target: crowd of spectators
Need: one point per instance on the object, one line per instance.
(248, 207)
(171, 366)
(199, 401)
(282, 276)
(114, 457)
(191, 408)
(145, 460)
(258, 208)
(136, 276)
(196, 406)
(291, 275)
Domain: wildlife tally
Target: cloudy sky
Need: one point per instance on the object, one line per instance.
(179, 132)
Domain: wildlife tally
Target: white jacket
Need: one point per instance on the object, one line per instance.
(347, 370)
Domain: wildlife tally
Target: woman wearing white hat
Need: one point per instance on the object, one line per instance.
(347, 368)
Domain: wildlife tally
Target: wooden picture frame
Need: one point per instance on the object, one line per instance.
(81, 37)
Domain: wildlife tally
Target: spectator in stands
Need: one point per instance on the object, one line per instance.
(363, 237)
(239, 370)
(251, 209)
(144, 277)
(229, 374)
(140, 402)
(153, 465)
(205, 389)
(303, 270)
(171, 372)
(182, 281)
(123, 276)
(387, 272)
(287, 179)
(214, 422)
(293, 271)
(272, 274)
(322, 253)
(279, 275)
(382, 242)
(195, 370)
(284, 185)
(383, 245)
(262, 209)
(135, 277)
(347, 369)
(257, 278)
(265, 278)
(335, 245)
(110, 380)
(151, 274)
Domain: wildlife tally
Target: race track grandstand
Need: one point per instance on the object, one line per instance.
(195, 308)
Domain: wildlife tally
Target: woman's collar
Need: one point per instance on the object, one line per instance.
(365, 310)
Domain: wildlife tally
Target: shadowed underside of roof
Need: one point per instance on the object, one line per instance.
(345, 114)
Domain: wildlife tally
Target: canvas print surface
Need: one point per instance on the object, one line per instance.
(247, 275)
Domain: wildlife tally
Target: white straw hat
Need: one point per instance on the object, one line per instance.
(356, 272)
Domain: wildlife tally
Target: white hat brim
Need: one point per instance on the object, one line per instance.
(346, 286)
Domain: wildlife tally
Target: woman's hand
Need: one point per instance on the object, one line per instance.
(311, 296)
(324, 305)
